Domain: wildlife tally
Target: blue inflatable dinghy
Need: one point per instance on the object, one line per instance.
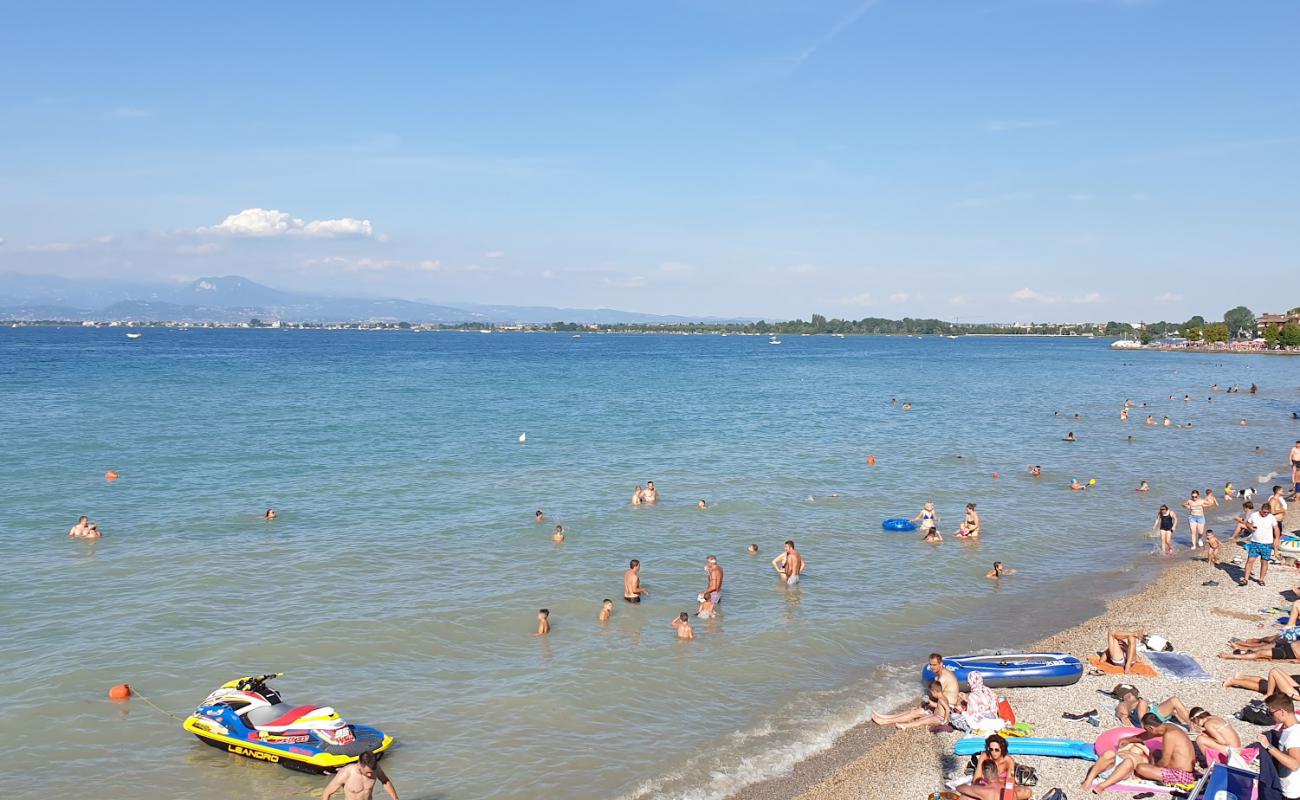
(898, 525)
(1005, 670)
(1029, 746)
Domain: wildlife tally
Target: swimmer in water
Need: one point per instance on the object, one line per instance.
(558, 536)
(702, 505)
(651, 494)
(707, 608)
(269, 515)
(1167, 423)
(683, 625)
(638, 495)
(1243, 422)
(80, 530)
(907, 406)
(539, 517)
(1076, 486)
(1144, 487)
(998, 571)
(752, 549)
(932, 536)
(1069, 437)
(970, 527)
(543, 622)
(1123, 414)
(1151, 420)
(606, 610)
(927, 518)
(789, 564)
(1036, 471)
(1130, 439)
(633, 591)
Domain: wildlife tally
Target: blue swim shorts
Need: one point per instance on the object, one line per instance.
(1257, 550)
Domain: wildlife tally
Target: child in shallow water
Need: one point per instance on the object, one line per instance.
(683, 626)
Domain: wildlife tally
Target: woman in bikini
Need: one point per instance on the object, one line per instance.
(970, 527)
(1196, 518)
(998, 783)
(927, 519)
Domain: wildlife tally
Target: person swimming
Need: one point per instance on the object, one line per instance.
(606, 610)
(1069, 437)
(269, 515)
(543, 622)
(752, 549)
(702, 505)
(1036, 471)
(539, 517)
(1143, 487)
(1076, 486)
(558, 536)
(999, 570)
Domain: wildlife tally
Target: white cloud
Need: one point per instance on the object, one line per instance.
(430, 265)
(1168, 298)
(1029, 295)
(107, 239)
(54, 247)
(1089, 298)
(899, 297)
(264, 223)
(495, 254)
(1004, 125)
(548, 274)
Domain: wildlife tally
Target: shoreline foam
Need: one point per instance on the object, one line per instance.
(872, 762)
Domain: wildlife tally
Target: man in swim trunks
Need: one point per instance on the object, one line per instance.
(357, 780)
(632, 589)
(1177, 763)
(1264, 534)
(713, 592)
(789, 564)
(82, 528)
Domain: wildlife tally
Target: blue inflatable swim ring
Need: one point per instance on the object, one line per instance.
(898, 525)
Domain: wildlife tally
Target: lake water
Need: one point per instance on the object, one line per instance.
(402, 580)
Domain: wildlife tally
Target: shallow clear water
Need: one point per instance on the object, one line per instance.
(402, 580)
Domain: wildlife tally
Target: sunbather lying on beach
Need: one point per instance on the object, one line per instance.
(1287, 634)
(1279, 650)
(1133, 707)
(1122, 647)
(995, 773)
(1277, 682)
(934, 710)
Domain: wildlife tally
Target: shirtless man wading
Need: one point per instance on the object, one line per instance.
(632, 589)
(713, 592)
(357, 780)
(789, 565)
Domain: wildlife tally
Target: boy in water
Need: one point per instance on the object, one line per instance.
(753, 549)
(606, 609)
(683, 626)
(706, 609)
(543, 622)
(558, 536)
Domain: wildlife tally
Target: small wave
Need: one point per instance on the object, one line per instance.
(1266, 478)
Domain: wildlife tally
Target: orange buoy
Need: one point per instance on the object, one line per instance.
(110, 475)
(871, 461)
(119, 692)
(995, 476)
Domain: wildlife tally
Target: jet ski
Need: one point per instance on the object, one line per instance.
(247, 717)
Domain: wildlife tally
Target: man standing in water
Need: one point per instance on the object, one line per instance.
(789, 565)
(713, 592)
(357, 780)
(632, 589)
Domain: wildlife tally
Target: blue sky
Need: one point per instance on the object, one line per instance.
(973, 159)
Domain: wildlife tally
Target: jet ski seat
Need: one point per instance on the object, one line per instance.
(265, 715)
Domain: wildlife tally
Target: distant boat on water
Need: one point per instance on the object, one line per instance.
(134, 335)
(774, 340)
(1126, 344)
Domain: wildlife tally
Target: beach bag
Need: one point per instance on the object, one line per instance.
(1256, 713)
(1005, 712)
(1025, 775)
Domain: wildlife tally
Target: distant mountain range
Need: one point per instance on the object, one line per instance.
(235, 299)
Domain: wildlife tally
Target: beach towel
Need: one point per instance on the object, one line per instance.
(1179, 666)
(1140, 667)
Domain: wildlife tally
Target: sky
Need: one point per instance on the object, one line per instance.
(980, 160)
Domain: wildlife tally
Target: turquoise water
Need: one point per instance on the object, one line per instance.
(402, 580)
